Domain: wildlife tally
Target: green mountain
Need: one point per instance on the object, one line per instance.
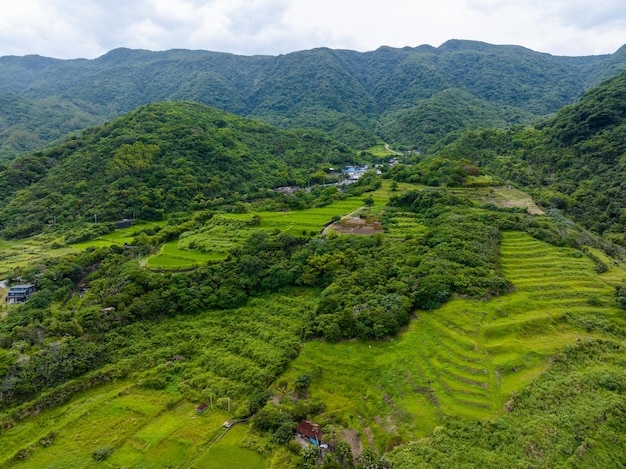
(575, 161)
(429, 315)
(161, 158)
(448, 111)
(343, 92)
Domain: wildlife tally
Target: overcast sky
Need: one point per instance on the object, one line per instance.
(89, 28)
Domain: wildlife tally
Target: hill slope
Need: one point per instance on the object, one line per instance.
(160, 158)
(341, 91)
(575, 161)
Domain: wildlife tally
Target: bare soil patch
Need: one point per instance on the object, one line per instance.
(357, 226)
(354, 440)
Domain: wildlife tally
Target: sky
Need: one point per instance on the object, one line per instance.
(89, 28)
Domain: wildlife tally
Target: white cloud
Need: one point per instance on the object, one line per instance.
(88, 28)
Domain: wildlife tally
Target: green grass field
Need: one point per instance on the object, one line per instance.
(381, 151)
(227, 231)
(501, 196)
(147, 428)
(138, 426)
(20, 253)
(118, 237)
(231, 230)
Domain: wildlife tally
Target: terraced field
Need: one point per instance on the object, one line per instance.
(137, 425)
(466, 358)
(149, 428)
(226, 231)
(477, 353)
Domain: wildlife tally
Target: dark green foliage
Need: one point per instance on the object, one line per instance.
(447, 111)
(574, 162)
(417, 94)
(434, 171)
(620, 296)
(369, 459)
(102, 453)
(28, 125)
(271, 419)
(161, 158)
(372, 284)
(302, 383)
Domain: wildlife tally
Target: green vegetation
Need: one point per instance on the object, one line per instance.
(225, 232)
(447, 111)
(571, 416)
(424, 316)
(466, 359)
(162, 158)
(410, 96)
(573, 162)
(236, 327)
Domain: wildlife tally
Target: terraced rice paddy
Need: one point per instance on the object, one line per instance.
(479, 352)
(466, 358)
(227, 231)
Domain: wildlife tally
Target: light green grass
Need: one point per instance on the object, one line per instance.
(502, 196)
(466, 358)
(171, 257)
(136, 423)
(227, 452)
(21, 253)
(380, 151)
(227, 231)
(151, 429)
(117, 237)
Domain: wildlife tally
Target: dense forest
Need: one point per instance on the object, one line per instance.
(572, 162)
(398, 94)
(159, 159)
(459, 307)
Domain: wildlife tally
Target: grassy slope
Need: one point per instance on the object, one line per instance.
(466, 358)
(154, 428)
(20, 253)
(231, 230)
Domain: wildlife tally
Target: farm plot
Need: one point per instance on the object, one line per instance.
(224, 232)
(467, 357)
(135, 426)
(117, 237)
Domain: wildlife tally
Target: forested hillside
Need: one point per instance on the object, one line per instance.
(344, 92)
(159, 159)
(575, 162)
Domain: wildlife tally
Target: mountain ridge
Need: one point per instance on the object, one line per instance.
(329, 89)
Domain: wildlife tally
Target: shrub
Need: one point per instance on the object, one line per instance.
(102, 453)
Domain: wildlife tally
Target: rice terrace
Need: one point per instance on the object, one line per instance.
(185, 287)
(464, 359)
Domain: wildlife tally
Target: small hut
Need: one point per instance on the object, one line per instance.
(310, 430)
